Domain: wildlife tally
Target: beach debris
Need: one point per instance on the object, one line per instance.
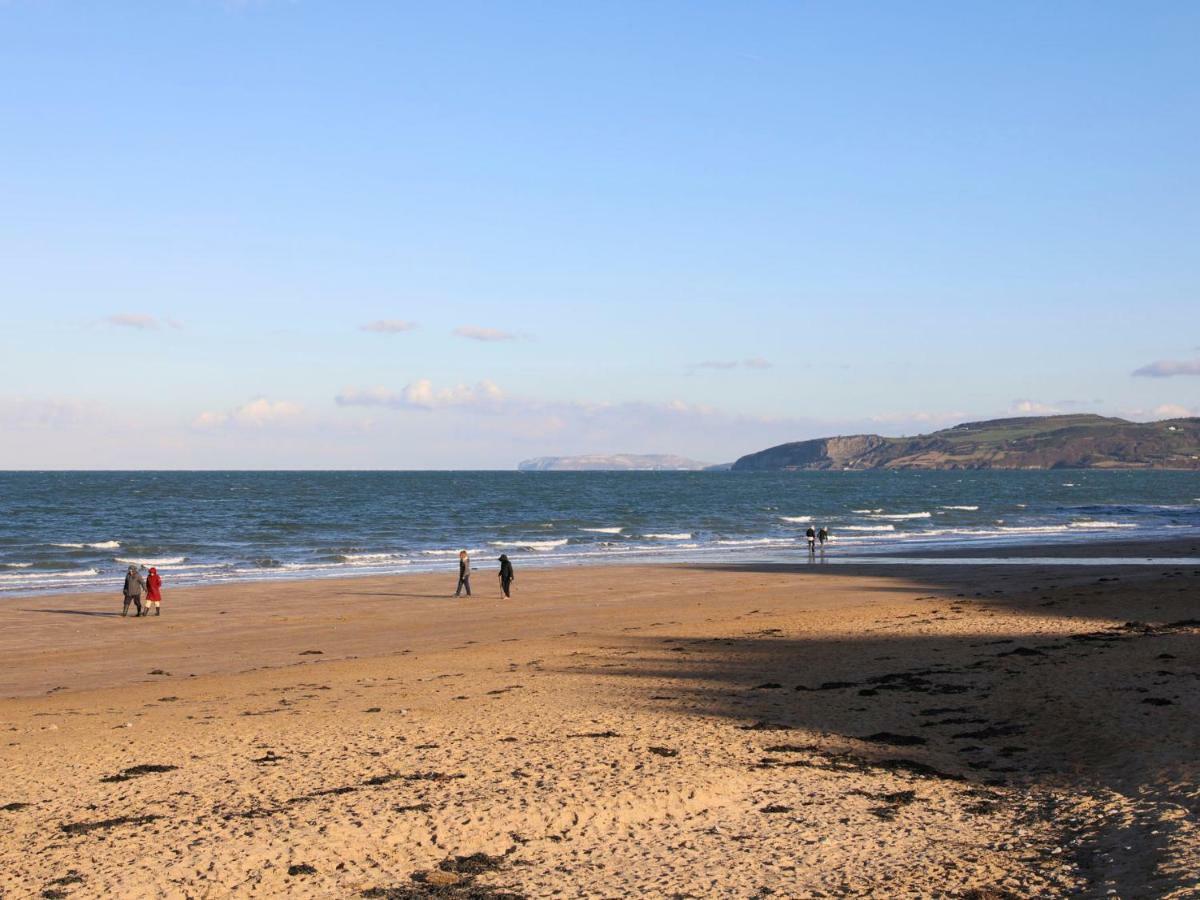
(595, 734)
(1022, 651)
(312, 653)
(991, 731)
(105, 824)
(13, 807)
(775, 808)
(768, 686)
(1157, 701)
(892, 802)
(373, 709)
(453, 877)
(663, 751)
(137, 771)
(893, 739)
(829, 686)
(301, 869)
(763, 725)
(267, 759)
(413, 807)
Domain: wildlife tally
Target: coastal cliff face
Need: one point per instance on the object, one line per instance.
(1043, 442)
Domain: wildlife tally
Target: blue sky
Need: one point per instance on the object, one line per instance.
(697, 228)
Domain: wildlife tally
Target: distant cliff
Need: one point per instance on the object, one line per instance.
(620, 462)
(1042, 442)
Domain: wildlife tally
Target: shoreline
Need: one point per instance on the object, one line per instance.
(1178, 548)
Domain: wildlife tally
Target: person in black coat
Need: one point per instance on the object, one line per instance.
(506, 575)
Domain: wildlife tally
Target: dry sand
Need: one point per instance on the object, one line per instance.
(663, 731)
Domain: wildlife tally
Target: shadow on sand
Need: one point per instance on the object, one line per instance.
(936, 692)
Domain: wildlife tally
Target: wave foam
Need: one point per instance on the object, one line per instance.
(799, 520)
(867, 528)
(682, 536)
(532, 545)
(164, 561)
(98, 545)
(901, 516)
(964, 508)
(43, 576)
(613, 530)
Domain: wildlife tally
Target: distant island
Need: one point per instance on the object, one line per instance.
(617, 462)
(1038, 442)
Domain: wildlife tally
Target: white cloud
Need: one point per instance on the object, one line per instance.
(257, 413)
(388, 326)
(1168, 368)
(1032, 408)
(476, 333)
(757, 362)
(132, 320)
(421, 394)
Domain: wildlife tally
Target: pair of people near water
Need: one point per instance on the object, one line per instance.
(464, 575)
(138, 589)
(814, 536)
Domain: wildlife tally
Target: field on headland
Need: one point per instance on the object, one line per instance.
(700, 731)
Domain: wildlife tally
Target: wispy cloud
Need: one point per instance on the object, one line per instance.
(1168, 368)
(723, 365)
(257, 413)
(421, 394)
(133, 320)
(477, 333)
(388, 326)
(38, 412)
(923, 419)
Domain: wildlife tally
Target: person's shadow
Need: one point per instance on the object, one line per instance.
(74, 612)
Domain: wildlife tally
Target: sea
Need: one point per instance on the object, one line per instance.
(79, 531)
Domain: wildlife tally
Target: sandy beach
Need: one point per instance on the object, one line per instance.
(664, 731)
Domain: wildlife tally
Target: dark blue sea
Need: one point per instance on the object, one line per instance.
(79, 530)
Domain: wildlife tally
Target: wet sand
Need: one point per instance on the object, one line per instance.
(783, 730)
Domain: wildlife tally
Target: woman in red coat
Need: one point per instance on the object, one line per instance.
(153, 593)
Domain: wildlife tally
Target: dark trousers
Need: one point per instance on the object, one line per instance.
(504, 583)
(464, 581)
(136, 601)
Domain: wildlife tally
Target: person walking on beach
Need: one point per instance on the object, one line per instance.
(823, 536)
(134, 585)
(506, 576)
(464, 573)
(153, 592)
(812, 537)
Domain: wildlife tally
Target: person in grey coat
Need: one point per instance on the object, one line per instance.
(464, 573)
(134, 585)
